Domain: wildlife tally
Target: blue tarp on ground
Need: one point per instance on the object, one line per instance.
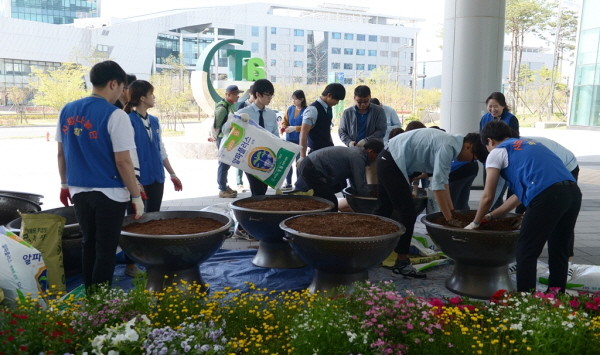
(232, 268)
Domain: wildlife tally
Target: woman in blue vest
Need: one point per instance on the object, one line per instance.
(150, 149)
(543, 184)
(292, 122)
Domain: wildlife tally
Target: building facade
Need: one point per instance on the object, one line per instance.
(57, 12)
(298, 45)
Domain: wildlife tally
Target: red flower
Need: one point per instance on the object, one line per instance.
(23, 348)
(498, 294)
(10, 338)
(20, 330)
(455, 300)
(68, 341)
(574, 303)
(436, 302)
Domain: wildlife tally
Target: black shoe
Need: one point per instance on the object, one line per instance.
(405, 268)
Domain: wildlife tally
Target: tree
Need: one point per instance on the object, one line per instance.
(19, 98)
(172, 91)
(522, 17)
(58, 87)
(316, 57)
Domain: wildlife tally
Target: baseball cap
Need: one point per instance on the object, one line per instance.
(233, 88)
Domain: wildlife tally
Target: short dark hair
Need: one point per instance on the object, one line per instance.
(299, 94)
(498, 96)
(496, 130)
(394, 132)
(414, 125)
(130, 79)
(374, 144)
(103, 72)
(262, 86)
(375, 101)
(478, 148)
(362, 91)
(337, 91)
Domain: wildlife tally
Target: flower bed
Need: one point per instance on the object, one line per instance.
(375, 319)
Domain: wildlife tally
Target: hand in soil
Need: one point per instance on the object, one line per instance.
(455, 223)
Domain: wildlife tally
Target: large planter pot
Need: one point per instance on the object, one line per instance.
(263, 225)
(35, 198)
(172, 258)
(71, 238)
(10, 206)
(481, 257)
(368, 204)
(340, 261)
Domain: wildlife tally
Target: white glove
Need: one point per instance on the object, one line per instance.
(244, 117)
(290, 129)
(472, 225)
(352, 144)
(138, 207)
(361, 142)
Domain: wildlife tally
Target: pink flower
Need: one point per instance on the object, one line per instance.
(455, 300)
(409, 326)
(436, 302)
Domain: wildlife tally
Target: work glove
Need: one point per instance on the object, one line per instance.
(352, 144)
(361, 142)
(65, 195)
(138, 207)
(176, 182)
(142, 192)
(290, 129)
(473, 225)
(244, 117)
(454, 223)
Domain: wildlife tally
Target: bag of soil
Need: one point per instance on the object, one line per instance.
(44, 231)
(251, 148)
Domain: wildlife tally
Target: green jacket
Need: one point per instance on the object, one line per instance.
(222, 110)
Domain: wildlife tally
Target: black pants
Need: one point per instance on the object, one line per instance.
(154, 192)
(100, 220)
(459, 183)
(257, 187)
(315, 180)
(550, 217)
(395, 193)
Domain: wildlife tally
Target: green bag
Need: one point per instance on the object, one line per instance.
(44, 232)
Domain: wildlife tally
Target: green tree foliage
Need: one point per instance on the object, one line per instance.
(58, 87)
(172, 91)
(19, 98)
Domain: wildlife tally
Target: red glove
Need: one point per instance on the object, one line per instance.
(176, 182)
(65, 195)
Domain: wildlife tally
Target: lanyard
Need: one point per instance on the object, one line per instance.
(146, 123)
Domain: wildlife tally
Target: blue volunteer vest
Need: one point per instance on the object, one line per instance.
(320, 135)
(148, 151)
(86, 143)
(532, 168)
(294, 121)
(506, 117)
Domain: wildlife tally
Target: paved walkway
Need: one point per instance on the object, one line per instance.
(29, 164)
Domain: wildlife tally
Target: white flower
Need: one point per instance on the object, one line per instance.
(516, 326)
(112, 352)
(351, 336)
(131, 335)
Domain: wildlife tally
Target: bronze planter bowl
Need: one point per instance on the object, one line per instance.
(10, 206)
(172, 258)
(263, 225)
(340, 261)
(481, 257)
(35, 198)
(368, 204)
(71, 237)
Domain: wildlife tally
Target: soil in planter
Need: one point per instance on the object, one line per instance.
(501, 224)
(342, 225)
(283, 204)
(174, 226)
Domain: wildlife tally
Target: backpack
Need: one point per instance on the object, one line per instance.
(214, 131)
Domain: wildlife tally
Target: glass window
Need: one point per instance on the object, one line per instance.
(335, 65)
(335, 50)
(348, 81)
(298, 48)
(348, 51)
(299, 33)
(284, 31)
(360, 37)
(348, 66)
(372, 53)
(372, 66)
(384, 39)
(254, 47)
(384, 53)
(273, 46)
(273, 62)
(273, 30)
(298, 64)
(273, 78)
(360, 67)
(360, 52)
(336, 35)
(226, 32)
(349, 36)
(254, 31)
(372, 38)
(395, 39)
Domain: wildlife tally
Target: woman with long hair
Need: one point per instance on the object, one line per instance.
(292, 122)
(150, 148)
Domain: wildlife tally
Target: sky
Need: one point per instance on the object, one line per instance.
(432, 11)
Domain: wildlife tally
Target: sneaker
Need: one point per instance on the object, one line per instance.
(132, 270)
(229, 189)
(227, 194)
(240, 189)
(286, 187)
(240, 233)
(405, 268)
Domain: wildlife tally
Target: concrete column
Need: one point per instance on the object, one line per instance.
(472, 61)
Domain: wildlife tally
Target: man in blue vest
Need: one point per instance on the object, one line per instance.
(94, 143)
